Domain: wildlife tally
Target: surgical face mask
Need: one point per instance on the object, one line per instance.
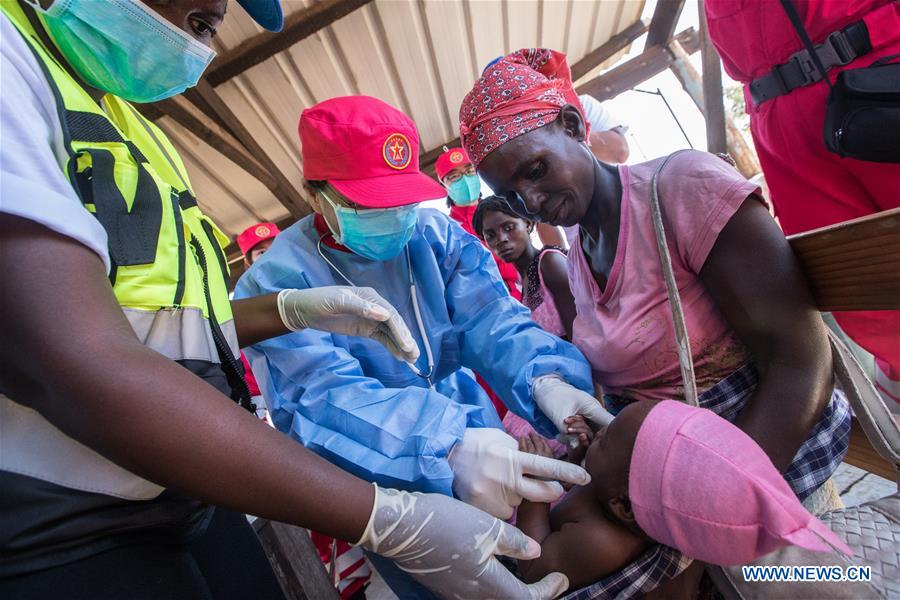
(375, 233)
(465, 191)
(125, 48)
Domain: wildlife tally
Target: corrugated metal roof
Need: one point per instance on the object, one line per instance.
(421, 56)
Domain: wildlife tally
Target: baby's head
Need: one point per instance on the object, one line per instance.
(688, 478)
(608, 461)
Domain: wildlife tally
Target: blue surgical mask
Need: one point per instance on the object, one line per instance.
(125, 48)
(375, 233)
(465, 191)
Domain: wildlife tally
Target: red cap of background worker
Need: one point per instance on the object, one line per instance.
(449, 160)
(367, 150)
(255, 234)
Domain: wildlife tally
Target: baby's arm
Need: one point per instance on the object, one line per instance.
(533, 518)
(578, 428)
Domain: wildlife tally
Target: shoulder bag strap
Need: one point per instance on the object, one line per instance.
(804, 37)
(681, 335)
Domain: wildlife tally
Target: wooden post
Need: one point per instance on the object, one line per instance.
(295, 561)
(735, 144)
(714, 105)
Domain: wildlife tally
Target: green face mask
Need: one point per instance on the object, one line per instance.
(125, 48)
(465, 191)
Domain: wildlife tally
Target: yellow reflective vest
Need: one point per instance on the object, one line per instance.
(170, 277)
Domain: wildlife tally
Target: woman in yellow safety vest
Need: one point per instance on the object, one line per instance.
(122, 406)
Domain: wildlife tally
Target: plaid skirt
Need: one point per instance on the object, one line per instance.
(819, 455)
(657, 565)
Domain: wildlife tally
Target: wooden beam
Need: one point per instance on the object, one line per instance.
(617, 42)
(687, 38)
(713, 102)
(663, 22)
(284, 190)
(189, 116)
(263, 46)
(736, 145)
(295, 561)
(653, 60)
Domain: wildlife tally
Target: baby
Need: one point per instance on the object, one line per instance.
(665, 472)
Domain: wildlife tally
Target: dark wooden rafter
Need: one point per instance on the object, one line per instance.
(663, 22)
(284, 190)
(591, 60)
(601, 54)
(189, 116)
(263, 46)
(653, 60)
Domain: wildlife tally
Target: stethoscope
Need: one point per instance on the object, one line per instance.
(415, 304)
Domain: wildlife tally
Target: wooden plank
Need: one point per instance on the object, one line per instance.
(614, 44)
(614, 79)
(295, 561)
(629, 74)
(610, 84)
(713, 100)
(736, 145)
(663, 22)
(263, 46)
(284, 190)
(853, 265)
(861, 454)
(191, 118)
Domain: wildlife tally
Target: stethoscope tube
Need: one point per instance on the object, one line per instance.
(414, 297)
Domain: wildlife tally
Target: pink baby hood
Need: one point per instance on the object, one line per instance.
(703, 486)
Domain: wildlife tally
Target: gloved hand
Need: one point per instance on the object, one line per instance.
(490, 472)
(558, 400)
(358, 311)
(449, 547)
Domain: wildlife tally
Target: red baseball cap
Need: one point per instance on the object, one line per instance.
(255, 234)
(367, 150)
(449, 160)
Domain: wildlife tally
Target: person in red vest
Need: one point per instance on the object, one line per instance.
(253, 242)
(810, 187)
(456, 173)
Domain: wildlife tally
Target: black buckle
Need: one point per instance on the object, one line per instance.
(835, 50)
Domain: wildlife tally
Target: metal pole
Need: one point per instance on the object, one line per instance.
(659, 93)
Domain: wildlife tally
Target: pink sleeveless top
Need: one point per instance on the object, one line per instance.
(545, 314)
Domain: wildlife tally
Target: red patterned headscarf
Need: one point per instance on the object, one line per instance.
(520, 92)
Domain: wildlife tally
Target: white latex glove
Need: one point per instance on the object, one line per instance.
(558, 400)
(489, 472)
(358, 311)
(449, 547)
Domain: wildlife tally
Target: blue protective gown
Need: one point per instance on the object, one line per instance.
(352, 402)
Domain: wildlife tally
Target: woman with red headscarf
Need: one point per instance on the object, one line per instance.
(760, 349)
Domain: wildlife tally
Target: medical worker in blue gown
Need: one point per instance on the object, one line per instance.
(426, 426)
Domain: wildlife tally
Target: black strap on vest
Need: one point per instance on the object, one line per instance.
(811, 64)
(133, 235)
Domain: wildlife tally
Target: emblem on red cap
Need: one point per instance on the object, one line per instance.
(262, 231)
(456, 157)
(396, 151)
